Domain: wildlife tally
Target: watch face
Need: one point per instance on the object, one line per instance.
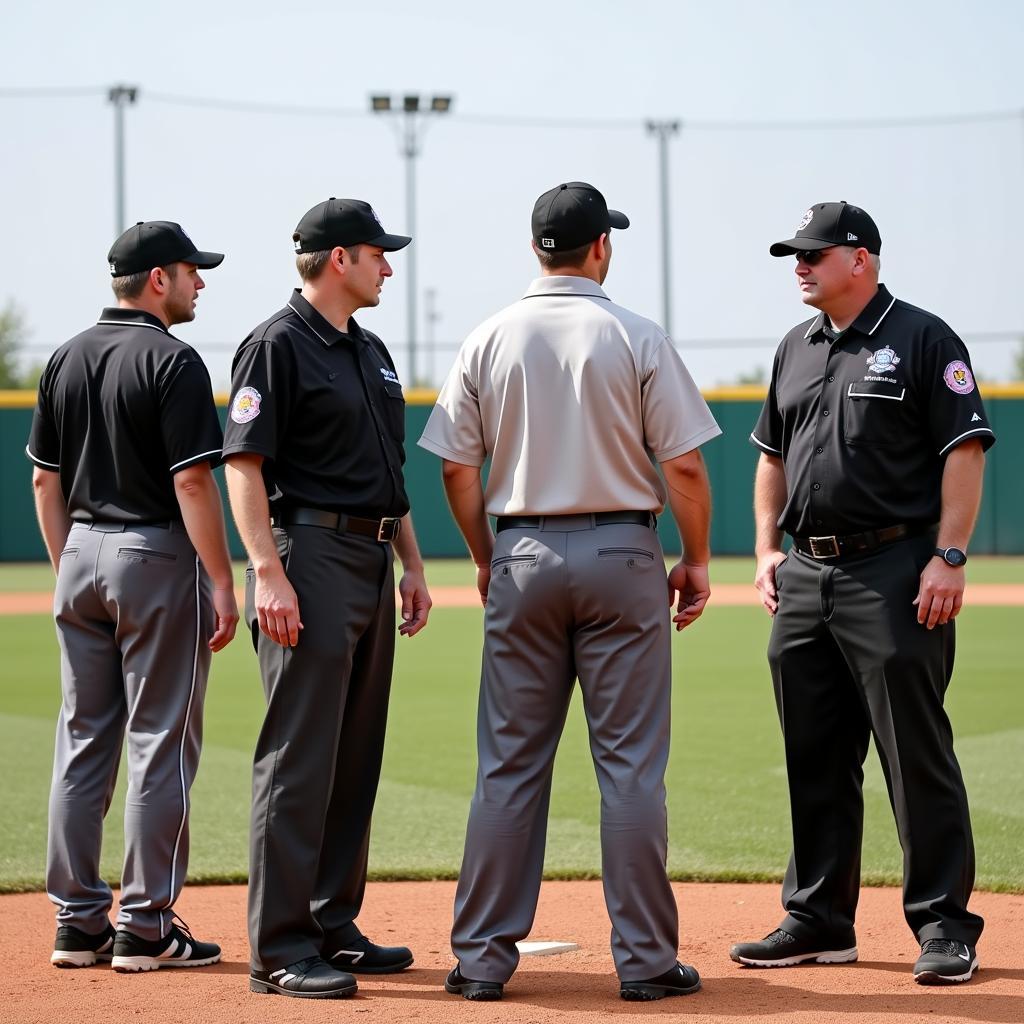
(954, 557)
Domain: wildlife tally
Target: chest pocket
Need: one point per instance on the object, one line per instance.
(394, 410)
(874, 413)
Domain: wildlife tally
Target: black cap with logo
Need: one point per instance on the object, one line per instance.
(831, 224)
(571, 215)
(344, 222)
(156, 243)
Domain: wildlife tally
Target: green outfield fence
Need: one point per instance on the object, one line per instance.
(730, 461)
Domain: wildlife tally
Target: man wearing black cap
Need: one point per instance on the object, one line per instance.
(872, 445)
(123, 439)
(314, 447)
(574, 399)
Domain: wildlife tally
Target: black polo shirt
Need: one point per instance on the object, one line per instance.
(325, 408)
(121, 408)
(863, 420)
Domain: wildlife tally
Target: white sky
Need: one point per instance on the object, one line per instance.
(946, 197)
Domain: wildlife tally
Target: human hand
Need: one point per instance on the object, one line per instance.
(764, 579)
(694, 588)
(225, 610)
(416, 603)
(483, 581)
(277, 608)
(940, 594)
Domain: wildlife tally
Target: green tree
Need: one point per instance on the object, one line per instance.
(12, 339)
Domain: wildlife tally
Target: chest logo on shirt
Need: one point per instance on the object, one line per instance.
(883, 361)
(389, 375)
(958, 377)
(246, 405)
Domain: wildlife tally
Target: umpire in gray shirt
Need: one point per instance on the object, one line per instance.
(123, 440)
(574, 400)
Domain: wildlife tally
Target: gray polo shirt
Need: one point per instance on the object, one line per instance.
(573, 398)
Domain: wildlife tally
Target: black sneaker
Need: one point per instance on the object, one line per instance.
(361, 956)
(945, 962)
(681, 980)
(176, 949)
(482, 991)
(75, 948)
(780, 949)
(306, 979)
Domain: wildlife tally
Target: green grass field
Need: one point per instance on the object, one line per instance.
(728, 811)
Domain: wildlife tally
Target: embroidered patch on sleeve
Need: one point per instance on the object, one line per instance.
(246, 405)
(958, 377)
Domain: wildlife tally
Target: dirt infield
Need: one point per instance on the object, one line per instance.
(577, 986)
(1012, 594)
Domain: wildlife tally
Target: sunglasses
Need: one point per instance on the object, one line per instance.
(812, 257)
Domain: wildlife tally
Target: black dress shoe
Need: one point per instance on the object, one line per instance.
(681, 980)
(306, 979)
(362, 956)
(457, 985)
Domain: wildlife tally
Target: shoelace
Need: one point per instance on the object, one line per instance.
(177, 922)
(943, 947)
(778, 937)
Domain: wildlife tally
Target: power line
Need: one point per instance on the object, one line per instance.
(253, 107)
(46, 92)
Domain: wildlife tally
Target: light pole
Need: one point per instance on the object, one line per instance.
(412, 112)
(120, 96)
(663, 131)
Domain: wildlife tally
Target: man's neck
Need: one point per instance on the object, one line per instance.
(844, 311)
(587, 272)
(336, 309)
(153, 308)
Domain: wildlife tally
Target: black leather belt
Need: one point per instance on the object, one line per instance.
(385, 530)
(854, 543)
(600, 519)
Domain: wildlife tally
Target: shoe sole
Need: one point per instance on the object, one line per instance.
(77, 958)
(134, 964)
(471, 990)
(825, 956)
(267, 988)
(934, 978)
(646, 993)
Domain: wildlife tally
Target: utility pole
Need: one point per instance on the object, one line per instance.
(431, 316)
(663, 131)
(120, 96)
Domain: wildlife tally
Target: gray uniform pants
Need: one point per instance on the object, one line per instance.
(134, 612)
(566, 601)
(319, 752)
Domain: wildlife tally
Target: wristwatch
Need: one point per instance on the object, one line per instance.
(952, 556)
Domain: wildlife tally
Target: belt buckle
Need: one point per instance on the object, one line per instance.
(824, 547)
(390, 525)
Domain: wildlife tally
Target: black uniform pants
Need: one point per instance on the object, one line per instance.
(319, 752)
(849, 660)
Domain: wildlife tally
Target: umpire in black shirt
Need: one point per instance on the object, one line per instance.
(872, 445)
(124, 437)
(314, 447)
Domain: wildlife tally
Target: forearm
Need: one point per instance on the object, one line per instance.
(251, 511)
(51, 512)
(689, 498)
(406, 546)
(465, 493)
(962, 478)
(769, 501)
(203, 515)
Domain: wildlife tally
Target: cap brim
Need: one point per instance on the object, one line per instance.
(794, 245)
(389, 243)
(618, 220)
(204, 260)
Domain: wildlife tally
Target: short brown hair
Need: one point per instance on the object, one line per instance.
(574, 258)
(129, 286)
(310, 265)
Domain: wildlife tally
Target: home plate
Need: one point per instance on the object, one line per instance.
(545, 948)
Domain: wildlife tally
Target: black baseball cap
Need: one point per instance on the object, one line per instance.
(344, 222)
(571, 215)
(156, 243)
(832, 224)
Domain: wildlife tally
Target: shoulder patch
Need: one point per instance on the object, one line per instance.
(245, 406)
(958, 377)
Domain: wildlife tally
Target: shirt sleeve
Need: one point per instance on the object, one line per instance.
(261, 394)
(676, 418)
(955, 411)
(188, 416)
(454, 429)
(767, 433)
(43, 440)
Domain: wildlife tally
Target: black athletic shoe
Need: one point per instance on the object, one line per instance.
(306, 979)
(945, 962)
(483, 991)
(75, 948)
(681, 980)
(780, 949)
(361, 956)
(176, 949)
